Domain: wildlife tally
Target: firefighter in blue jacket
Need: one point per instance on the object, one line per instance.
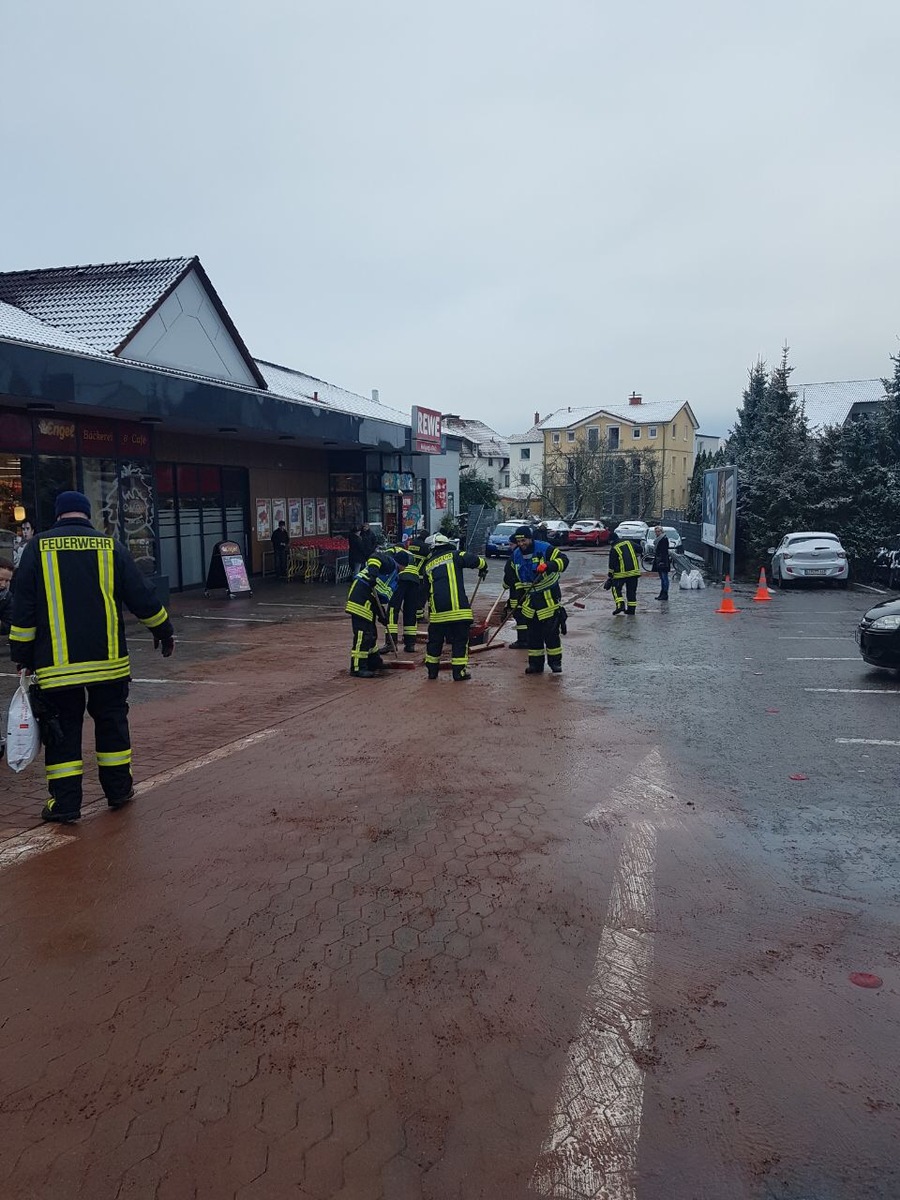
(365, 605)
(538, 567)
(67, 627)
(449, 611)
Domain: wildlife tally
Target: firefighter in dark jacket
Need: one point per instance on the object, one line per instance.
(409, 597)
(449, 611)
(364, 610)
(67, 628)
(514, 605)
(538, 567)
(624, 573)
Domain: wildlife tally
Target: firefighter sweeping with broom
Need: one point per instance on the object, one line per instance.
(363, 605)
(514, 605)
(538, 566)
(449, 611)
(624, 573)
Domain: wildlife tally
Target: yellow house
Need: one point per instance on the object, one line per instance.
(646, 448)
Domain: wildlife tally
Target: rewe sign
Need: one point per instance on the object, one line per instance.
(426, 431)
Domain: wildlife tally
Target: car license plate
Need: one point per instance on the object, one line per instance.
(816, 571)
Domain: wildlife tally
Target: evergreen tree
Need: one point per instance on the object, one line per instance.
(702, 463)
(773, 451)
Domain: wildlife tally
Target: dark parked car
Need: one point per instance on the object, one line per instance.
(878, 635)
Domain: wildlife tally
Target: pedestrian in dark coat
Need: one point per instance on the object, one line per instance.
(368, 539)
(356, 553)
(662, 562)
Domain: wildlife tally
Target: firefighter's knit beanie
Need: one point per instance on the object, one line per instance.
(67, 502)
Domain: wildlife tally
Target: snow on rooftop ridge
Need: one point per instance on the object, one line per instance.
(296, 385)
(831, 403)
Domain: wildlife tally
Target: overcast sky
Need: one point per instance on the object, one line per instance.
(489, 208)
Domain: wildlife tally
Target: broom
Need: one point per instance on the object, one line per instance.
(396, 663)
(478, 631)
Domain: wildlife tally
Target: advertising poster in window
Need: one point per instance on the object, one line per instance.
(440, 494)
(138, 513)
(295, 517)
(321, 515)
(263, 520)
(309, 517)
(279, 512)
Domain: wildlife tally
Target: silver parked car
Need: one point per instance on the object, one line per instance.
(809, 556)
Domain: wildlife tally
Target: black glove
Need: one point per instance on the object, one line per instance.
(563, 618)
(167, 643)
(608, 585)
(483, 573)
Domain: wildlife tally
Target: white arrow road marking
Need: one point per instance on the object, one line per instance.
(866, 742)
(590, 1152)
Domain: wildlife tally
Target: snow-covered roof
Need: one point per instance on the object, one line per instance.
(101, 303)
(294, 385)
(831, 403)
(534, 435)
(91, 310)
(488, 442)
(21, 326)
(520, 492)
(645, 413)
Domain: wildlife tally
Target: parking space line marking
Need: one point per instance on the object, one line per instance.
(591, 1148)
(38, 841)
(857, 691)
(240, 620)
(815, 637)
(856, 659)
(866, 742)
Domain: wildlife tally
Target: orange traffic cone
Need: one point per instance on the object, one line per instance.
(727, 605)
(762, 592)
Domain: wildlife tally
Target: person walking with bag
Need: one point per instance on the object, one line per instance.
(662, 562)
(67, 628)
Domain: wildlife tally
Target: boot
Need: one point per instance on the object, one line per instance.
(49, 813)
(432, 672)
(461, 676)
(534, 669)
(387, 648)
(555, 667)
(618, 612)
(409, 645)
(120, 801)
(364, 673)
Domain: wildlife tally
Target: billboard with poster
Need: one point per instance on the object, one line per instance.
(719, 508)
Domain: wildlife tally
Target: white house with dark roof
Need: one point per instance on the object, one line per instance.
(837, 403)
(131, 382)
(483, 453)
(526, 472)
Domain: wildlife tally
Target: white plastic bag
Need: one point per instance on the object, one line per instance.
(23, 738)
(691, 580)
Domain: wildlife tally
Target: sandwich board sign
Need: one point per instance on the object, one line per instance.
(227, 569)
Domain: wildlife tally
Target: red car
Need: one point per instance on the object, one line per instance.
(588, 533)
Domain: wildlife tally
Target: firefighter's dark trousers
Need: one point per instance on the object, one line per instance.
(624, 593)
(107, 705)
(363, 653)
(457, 634)
(543, 637)
(408, 600)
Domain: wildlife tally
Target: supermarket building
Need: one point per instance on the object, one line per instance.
(131, 383)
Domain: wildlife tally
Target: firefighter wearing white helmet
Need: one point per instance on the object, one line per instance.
(449, 611)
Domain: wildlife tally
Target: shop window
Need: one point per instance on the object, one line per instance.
(55, 474)
(236, 496)
(168, 523)
(190, 533)
(139, 513)
(211, 510)
(101, 486)
(16, 491)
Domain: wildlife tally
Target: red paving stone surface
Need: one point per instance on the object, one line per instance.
(323, 967)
